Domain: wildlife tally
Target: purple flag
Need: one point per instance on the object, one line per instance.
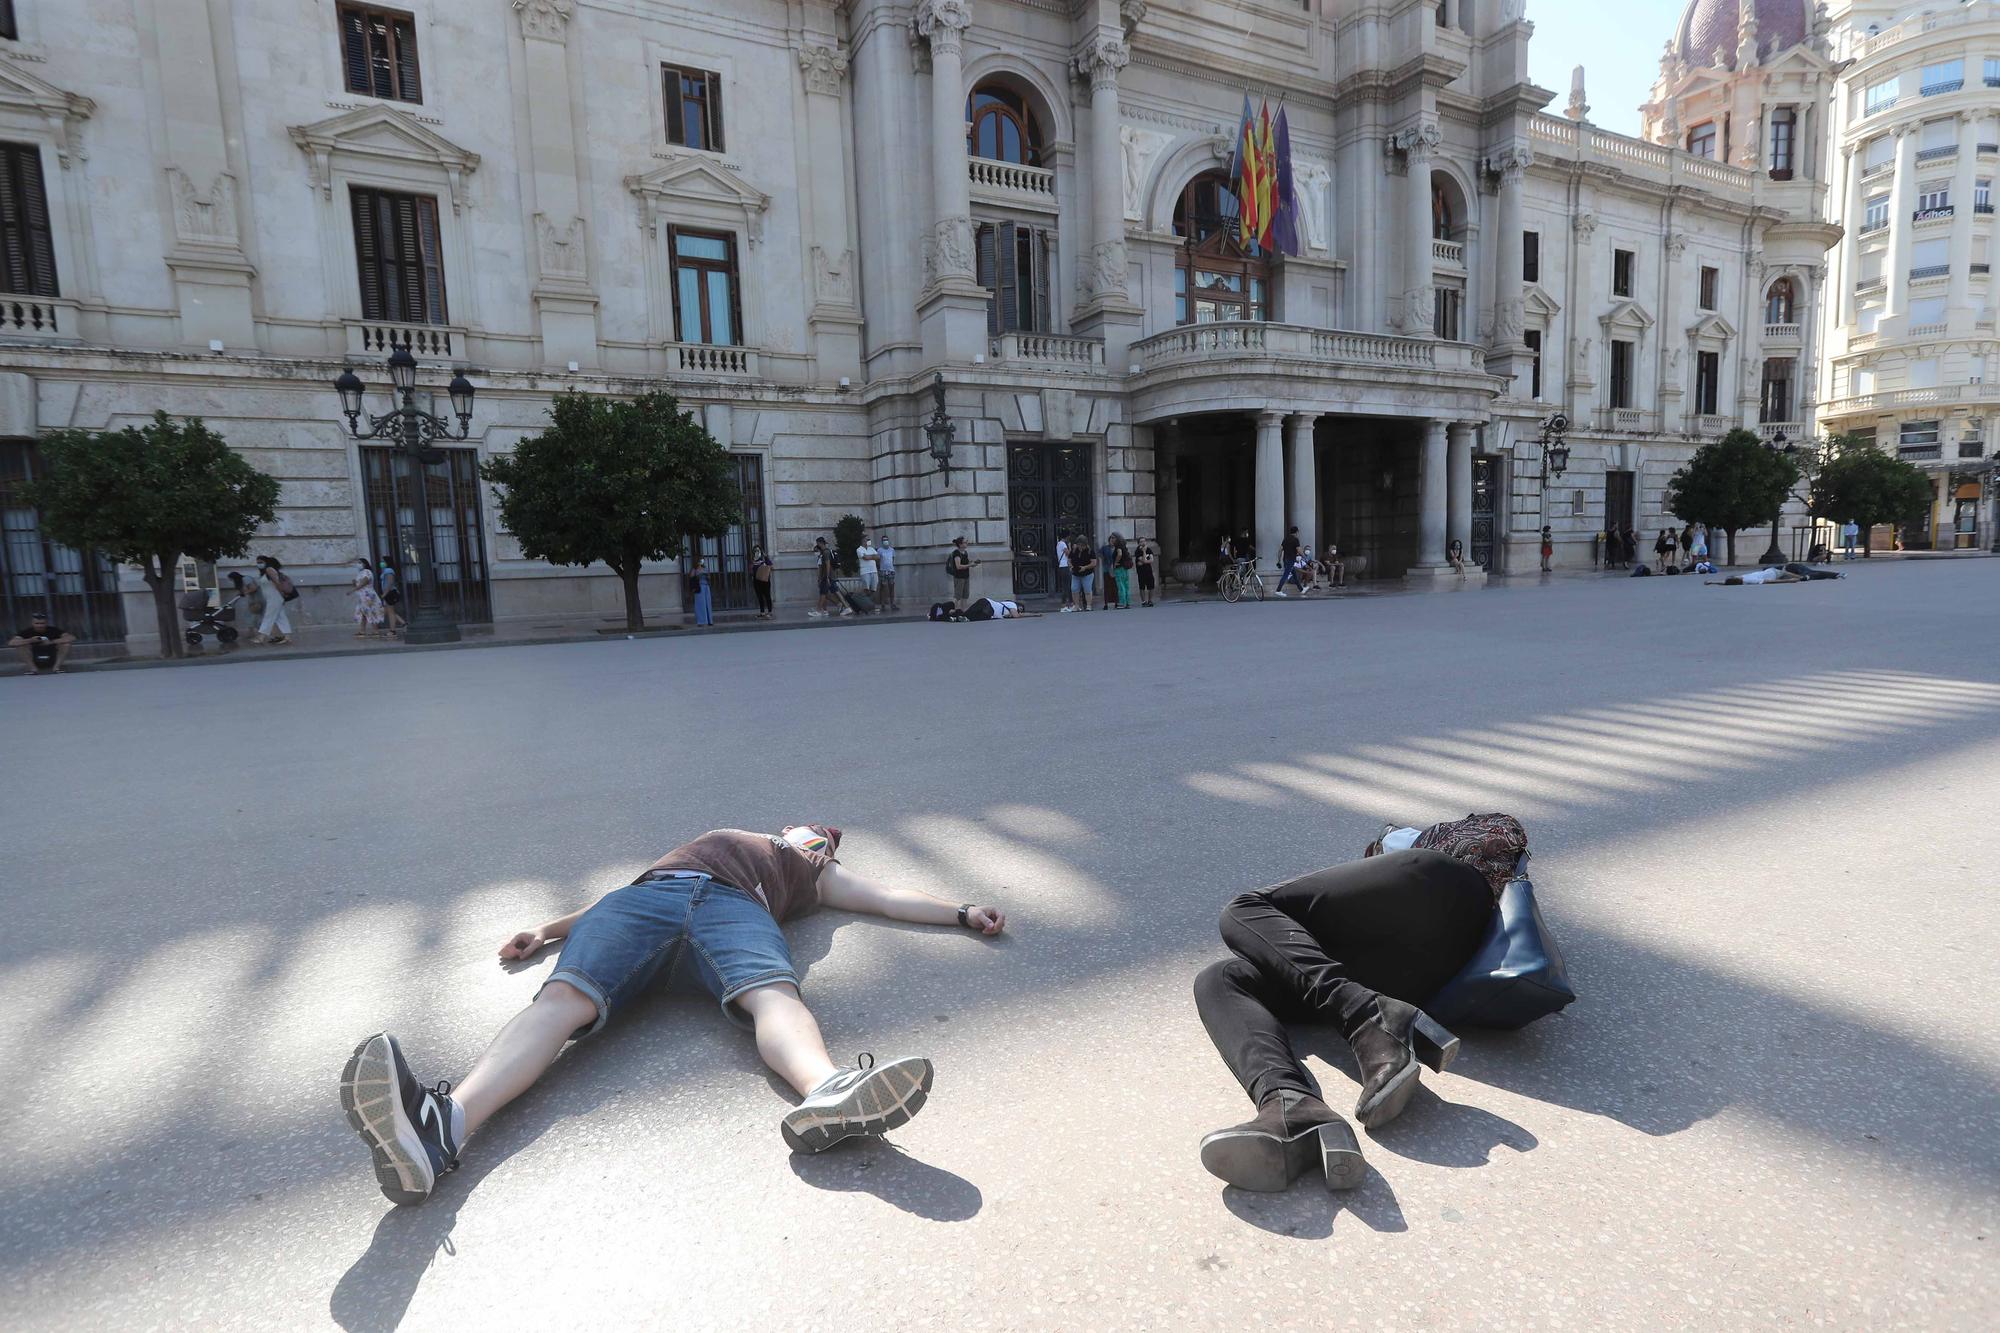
(1285, 226)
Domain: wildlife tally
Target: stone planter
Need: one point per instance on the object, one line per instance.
(1191, 573)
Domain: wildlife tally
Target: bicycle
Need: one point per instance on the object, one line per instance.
(1236, 583)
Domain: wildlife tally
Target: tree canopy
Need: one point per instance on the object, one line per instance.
(1863, 485)
(1732, 483)
(149, 495)
(619, 481)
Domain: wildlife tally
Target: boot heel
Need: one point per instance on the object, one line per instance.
(1434, 1046)
(1340, 1156)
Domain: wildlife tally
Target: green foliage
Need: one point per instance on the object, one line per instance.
(1864, 485)
(1733, 483)
(847, 536)
(149, 495)
(621, 482)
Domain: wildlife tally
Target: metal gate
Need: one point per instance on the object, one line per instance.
(77, 590)
(728, 556)
(1618, 497)
(1485, 490)
(1048, 494)
(451, 488)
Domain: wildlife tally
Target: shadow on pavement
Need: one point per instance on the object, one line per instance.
(882, 1169)
(1309, 1210)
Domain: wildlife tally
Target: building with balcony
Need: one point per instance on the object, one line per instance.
(803, 215)
(1912, 353)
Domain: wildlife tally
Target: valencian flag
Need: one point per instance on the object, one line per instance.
(1243, 173)
(1260, 171)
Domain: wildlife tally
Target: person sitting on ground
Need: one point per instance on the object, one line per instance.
(1455, 555)
(706, 916)
(1333, 568)
(1303, 566)
(43, 646)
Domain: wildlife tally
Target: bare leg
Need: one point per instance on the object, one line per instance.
(62, 654)
(788, 1036)
(28, 658)
(524, 1049)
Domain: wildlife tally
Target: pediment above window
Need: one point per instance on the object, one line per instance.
(1627, 317)
(1712, 329)
(28, 102)
(384, 138)
(1539, 304)
(699, 189)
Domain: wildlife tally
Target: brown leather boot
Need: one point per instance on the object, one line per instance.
(1388, 1045)
(1289, 1133)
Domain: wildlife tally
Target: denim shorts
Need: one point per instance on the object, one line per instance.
(689, 932)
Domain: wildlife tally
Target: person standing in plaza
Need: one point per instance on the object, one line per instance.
(823, 578)
(1121, 570)
(885, 564)
(1632, 548)
(1082, 570)
(1062, 570)
(699, 595)
(1548, 548)
(1850, 533)
(688, 924)
(392, 599)
(1698, 550)
(761, 571)
(868, 559)
(1146, 560)
(367, 602)
(958, 564)
(278, 589)
(1687, 544)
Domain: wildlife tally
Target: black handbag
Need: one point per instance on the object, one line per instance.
(1517, 974)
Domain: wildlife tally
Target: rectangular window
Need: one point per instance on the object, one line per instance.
(1982, 196)
(27, 248)
(1926, 310)
(1993, 71)
(1180, 295)
(1446, 311)
(1707, 377)
(1864, 383)
(1934, 199)
(1879, 97)
(1931, 258)
(1947, 77)
(707, 308)
(1881, 152)
(1013, 265)
(1711, 282)
(1870, 318)
(1533, 337)
(1877, 216)
(1531, 256)
(694, 107)
(401, 262)
(378, 48)
(1917, 435)
(1621, 272)
(1784, 138)
(8, 28)
(1621, 374)
(1701, 140)
(1777, 393)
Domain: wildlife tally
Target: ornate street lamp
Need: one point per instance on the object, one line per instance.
(939, 430)
(417, 432)
(1775, 555)
(1555, 448)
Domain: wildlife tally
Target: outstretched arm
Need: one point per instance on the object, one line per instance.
(526, 943)
(843, 890)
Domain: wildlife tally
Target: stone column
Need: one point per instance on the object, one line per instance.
(211, 273)
(1167, 486)
(952, 303)
(1104, 262)
(1419, 294)
(1850, 243)
(1675, 406)
(1305, 478)
(1513, 163)
(1958, 306)
(1577, 375)
(564, 300)
(1458, 493)
(1902, 202)
(1270, 528)
(1431, 495)
(835, 318)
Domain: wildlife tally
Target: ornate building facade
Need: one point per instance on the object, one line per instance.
(805, 216)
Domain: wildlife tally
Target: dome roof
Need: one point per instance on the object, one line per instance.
(1709, 26)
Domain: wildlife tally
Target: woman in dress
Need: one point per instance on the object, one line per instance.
(275, 626)
(704, 606)
(760, 579)
(367, 604)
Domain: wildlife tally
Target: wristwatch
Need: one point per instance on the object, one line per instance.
(962, 919)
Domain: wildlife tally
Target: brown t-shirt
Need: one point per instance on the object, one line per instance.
(785, 877)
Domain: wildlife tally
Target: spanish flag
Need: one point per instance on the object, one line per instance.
(1267, 177)
(1243, 174)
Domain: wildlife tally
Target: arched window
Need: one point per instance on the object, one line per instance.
(1219, 275)
(1781, 303)
(1443, 224)
(1002, 127)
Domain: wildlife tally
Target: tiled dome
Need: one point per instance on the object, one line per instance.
(1709, 26)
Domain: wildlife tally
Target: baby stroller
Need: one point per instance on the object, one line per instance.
(205, 619)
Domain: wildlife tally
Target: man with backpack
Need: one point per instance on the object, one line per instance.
(278, 589)
(959, 564)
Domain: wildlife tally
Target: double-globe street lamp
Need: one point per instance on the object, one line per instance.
(417, 432)
(1555, 457)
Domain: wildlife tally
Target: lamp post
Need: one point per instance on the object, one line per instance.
(417, 433)
(1775, 555)
(1555, 457)
(939, 430)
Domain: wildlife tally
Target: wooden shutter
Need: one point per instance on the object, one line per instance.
(368, 255)
(985, 263)
(1008, 292)
(35, 209)
(711, 85)
(408, 86)
(670, 87)
(408, 303)
(432, 255)
(354, 50)
(1044, 249)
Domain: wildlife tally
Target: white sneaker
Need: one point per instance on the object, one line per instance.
(1283, 593)
(848, 612)
(815, 615)
(867, 1099)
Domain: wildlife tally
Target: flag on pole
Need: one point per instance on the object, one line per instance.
(1285, 223)
(1245, 177)
(1267, 173)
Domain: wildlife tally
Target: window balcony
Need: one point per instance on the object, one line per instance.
(1879, 169)
(1449, 253)
(1919, 453)
(1209, 344)
(1872, 229)
(377, 337)
(1870, 284)
(1972, 448)
(1791, 430)
(1988, 149)
(1926, 330)
(1977, 269)
(1781, 333)
(711, 359)
(1890, 399)
(1877, 108)
(1937, 154)
(1007, 183)
(1930, 271)
(1634, 420)
(1862, 341)
(43, 319)
(1983, 209)
(1947, 86)
(1056, 350)
(1713, 423)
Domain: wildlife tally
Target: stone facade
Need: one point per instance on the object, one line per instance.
(201, 163)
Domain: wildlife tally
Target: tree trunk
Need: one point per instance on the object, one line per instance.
(164, 612)
(628, 574)
(1731, 534)
(1868, 541)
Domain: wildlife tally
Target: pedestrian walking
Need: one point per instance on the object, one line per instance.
(1663, 548)
(367, 602)
(761, 571)
(1288, 562)
(1596, 549)
(1632, 551)
(391, 590)
(1687, 544)
(868, 558)
(1082, 571)
(1062, 571)
(959, 565)
(885, 564)
(1121, 571)
(699, 595)
(1146, 560)
(278, 590)
(829, 597)
(1548, 548)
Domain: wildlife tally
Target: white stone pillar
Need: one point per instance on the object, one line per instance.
(1675, 405)
(1582, 316)
(1902, 202)
(1419, 294)
(952, 304)
(1458, 495)
(1958, 305)
(565, 305)
(1850, 242)
(1431, 496)
(1511, 319)
(1305, 479)
(835, 317)
(1099, 61)
(210, 270)
(1270, 485)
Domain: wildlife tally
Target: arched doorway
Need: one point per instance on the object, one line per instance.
(1218, 275)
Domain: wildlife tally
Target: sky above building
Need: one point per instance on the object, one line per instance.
(1616, 41)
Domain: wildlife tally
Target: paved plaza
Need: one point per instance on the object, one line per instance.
(1760, 819)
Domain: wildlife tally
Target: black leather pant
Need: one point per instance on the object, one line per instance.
(1317, 949)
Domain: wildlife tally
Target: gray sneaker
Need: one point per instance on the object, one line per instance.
(867, 1099)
